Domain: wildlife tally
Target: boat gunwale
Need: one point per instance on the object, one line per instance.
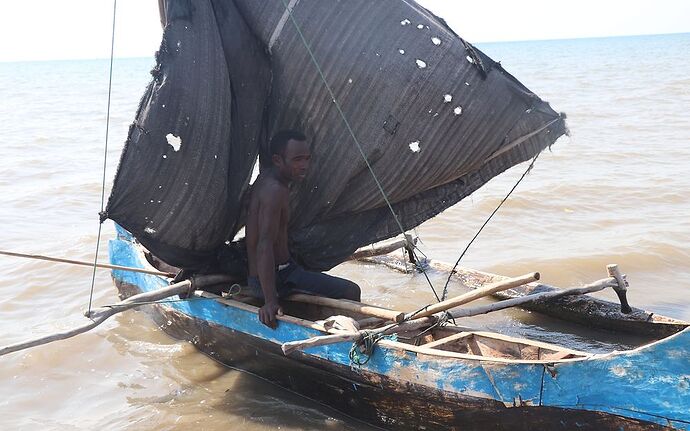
(433, 352)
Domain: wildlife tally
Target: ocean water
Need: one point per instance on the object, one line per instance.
(615, 191)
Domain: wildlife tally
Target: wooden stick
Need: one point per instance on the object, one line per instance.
(621, 287)
(423, 322)
(80, 262)
(590, 288)
(344, 304)
(383, 248)
(99, 315)
(342, 336)
(291, 346)
(474, 295)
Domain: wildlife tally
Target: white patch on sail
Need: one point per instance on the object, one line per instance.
(420, 26)
(414, 146)
(436, 41)
(174, 141)
(401, 51)
(421, 64)
(405, 21)
(457, 110)
(447, 98)
(255, 173)
(470, 59)
(150, 231)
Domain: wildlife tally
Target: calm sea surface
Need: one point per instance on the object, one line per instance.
(616, 191)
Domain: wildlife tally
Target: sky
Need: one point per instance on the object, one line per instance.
(79, 29)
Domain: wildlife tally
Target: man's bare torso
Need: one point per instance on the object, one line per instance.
(269, 200)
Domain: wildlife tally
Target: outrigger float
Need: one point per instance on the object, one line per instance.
(581, 309)
(450, 377)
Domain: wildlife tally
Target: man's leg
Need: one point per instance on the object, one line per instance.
(318, 283)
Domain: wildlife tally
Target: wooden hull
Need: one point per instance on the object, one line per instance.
(582, 309)
(403, 389)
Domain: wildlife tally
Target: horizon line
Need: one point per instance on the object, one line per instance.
(152, 56)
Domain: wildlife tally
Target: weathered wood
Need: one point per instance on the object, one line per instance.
(91, 264)
(425, 321)
(474, 295)
(356, 335)
(101, 314)
(291, 346)
(621, 287)
(508, 303)
(385, 248)
(344, 304)
(582, 309)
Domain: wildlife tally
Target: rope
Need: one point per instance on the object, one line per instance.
(105, 155)
(457, 262)
(361, 351)
(352, 134)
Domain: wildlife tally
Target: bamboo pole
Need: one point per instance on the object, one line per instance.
(474, 295)
(80, 262)
(344, 304)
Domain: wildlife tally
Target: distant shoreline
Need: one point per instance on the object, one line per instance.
(479, 43)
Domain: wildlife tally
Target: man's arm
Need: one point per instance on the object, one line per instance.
(268, 223)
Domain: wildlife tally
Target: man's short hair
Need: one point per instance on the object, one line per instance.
(280, 140)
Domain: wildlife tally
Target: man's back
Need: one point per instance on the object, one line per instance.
(267, 220)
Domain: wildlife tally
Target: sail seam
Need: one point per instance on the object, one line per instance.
(520, 140)
(288, 11)
(281, 23)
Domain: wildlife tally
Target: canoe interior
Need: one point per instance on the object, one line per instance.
(448, 338)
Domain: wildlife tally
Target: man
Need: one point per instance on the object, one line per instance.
(272, 273)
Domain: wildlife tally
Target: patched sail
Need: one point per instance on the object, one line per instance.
(385, 83)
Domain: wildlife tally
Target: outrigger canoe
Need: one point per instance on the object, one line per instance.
(585, 310)
(457, 379)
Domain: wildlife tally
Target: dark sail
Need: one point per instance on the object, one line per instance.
(435, 118)
(189, 154)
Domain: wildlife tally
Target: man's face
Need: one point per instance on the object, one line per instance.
(293, 165)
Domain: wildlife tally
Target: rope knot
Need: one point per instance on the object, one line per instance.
(362, 349)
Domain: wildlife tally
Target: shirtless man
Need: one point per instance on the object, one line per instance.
(272, 273)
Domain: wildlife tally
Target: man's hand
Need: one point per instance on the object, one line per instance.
(267, 313)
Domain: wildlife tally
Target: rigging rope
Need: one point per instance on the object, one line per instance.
(354, 138)
(457, 262)
(105, 155)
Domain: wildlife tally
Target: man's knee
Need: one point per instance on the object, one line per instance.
(352, 291)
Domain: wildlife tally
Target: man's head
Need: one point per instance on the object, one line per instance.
(290, 155)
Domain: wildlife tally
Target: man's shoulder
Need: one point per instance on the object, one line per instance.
(269, 188)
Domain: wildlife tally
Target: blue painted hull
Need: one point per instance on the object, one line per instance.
(643, 389)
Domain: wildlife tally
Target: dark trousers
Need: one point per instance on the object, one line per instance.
(295, 279)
